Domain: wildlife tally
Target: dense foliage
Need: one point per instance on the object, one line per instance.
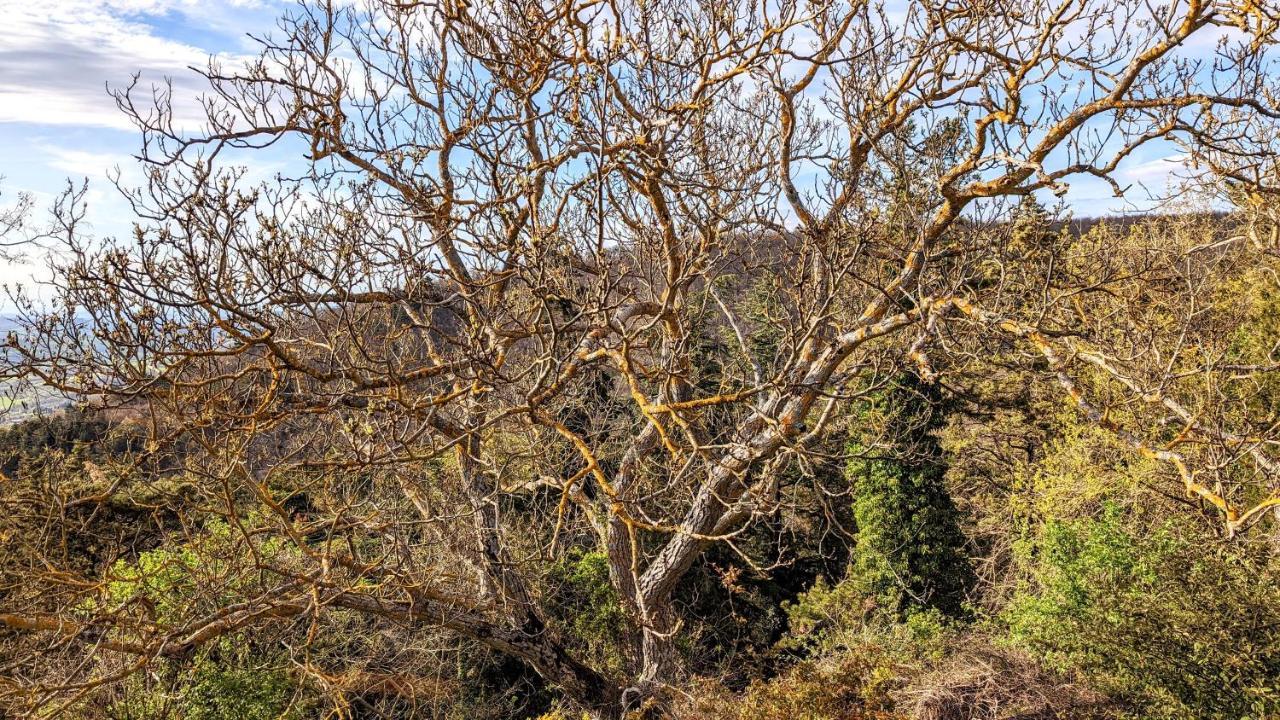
(908, 550)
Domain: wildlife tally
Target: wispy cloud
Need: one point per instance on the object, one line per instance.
(84, 163)
(1158, 175)
(57, 58)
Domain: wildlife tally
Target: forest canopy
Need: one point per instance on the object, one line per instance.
(658, 359)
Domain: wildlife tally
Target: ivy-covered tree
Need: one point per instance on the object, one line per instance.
(909, 552)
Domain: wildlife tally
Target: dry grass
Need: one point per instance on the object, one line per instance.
(985, 682)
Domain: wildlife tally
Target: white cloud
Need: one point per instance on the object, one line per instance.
(57, 58)
(83, 163)
(1152, 172)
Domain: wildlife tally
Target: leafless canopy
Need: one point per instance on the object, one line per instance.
(475, 329)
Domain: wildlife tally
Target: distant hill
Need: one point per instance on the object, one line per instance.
(24, 403)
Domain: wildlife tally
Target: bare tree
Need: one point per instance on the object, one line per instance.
(12, 219)
(474, 329)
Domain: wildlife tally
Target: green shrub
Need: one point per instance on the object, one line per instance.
(232, 693)
(589, 606)
(1164, 617)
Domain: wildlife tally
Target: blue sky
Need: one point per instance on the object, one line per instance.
(57, 58)
(57, 120)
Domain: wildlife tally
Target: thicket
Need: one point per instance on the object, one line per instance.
(974, 548)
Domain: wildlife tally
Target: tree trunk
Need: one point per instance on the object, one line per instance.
(661, 662)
